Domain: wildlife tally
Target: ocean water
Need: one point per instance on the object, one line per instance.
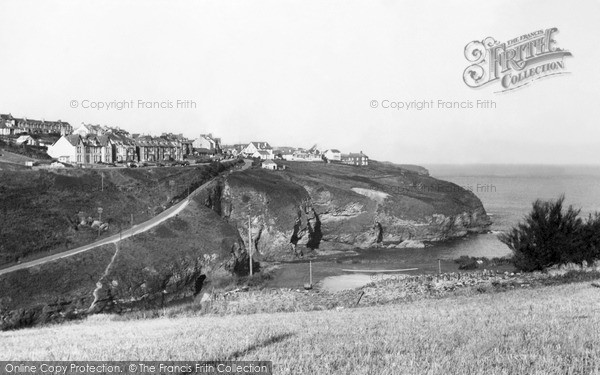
(507, 193)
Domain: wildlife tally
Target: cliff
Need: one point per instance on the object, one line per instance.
(305, 207)
(335, 206)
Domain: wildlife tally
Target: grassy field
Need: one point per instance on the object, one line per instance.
(549, 330)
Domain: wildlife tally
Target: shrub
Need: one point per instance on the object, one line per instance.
(466, 263)
(551, 235)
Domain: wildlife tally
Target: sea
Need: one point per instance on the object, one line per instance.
(507, 193)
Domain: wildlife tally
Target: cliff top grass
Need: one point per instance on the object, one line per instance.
(411, 195)
(548, 330)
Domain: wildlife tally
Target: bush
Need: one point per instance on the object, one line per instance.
(552, 235)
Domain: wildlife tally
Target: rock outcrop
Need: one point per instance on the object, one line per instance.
(328, 206)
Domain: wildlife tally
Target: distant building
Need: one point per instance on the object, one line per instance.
(253, 147)
(26, 140)
(66, 149)
(333, 155)
(312, 155)
(10, 125)
(207, 141)
(269, 164)
(355, 159)
(123, 147)
(263, 155)
(233, 150)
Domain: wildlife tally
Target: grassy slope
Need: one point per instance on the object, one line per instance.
(38, 209)
(168, 257)
(543, 331)
(414, 196)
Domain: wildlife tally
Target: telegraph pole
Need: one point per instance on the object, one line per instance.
(250, 244)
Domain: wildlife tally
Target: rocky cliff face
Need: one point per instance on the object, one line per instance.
(329, 206)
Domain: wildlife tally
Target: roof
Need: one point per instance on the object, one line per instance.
(261, 145)
(269, 162)
(73, 139)
(263, 152)
(354, 155)
(334, 150)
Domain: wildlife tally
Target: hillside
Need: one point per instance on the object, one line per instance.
(169, 262)
(547, 330)
(44, 212)
(335, 206)
(304, 208)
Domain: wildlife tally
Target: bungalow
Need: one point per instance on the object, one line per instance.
(355, 159)
(333, 155)
(26, 140)
(270, 165)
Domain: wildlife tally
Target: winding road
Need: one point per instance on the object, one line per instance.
(136, 229)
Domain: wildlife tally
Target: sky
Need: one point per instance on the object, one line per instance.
(299, 73)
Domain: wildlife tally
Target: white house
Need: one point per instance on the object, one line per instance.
(263, 155)
(252, 147)
(333, 155)
(26, 139)
(269, 164)
(207, 141)
(355, 159)
(65, 149)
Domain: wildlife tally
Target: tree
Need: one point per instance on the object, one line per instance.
(550, 235)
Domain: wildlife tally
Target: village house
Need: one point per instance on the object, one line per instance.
(310, 155)
(207, 142)
(66, 149)
(333, 155)
(233, 150)
(355, 159)
(79, 150)
(263, 155)
(253, 147)
(123, 147)
(151, 149)
(26, 140)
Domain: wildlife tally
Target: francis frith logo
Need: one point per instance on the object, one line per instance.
(514, 63)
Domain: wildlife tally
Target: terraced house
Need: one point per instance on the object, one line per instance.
(76, 149)
(10, 125)
(154, 149)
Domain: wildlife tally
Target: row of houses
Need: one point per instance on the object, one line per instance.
(10, 125)
(93, 144)
(264, 151)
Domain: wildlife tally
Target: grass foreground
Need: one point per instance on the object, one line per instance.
(546, 330)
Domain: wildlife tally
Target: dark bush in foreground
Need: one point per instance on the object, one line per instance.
(551, 235)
